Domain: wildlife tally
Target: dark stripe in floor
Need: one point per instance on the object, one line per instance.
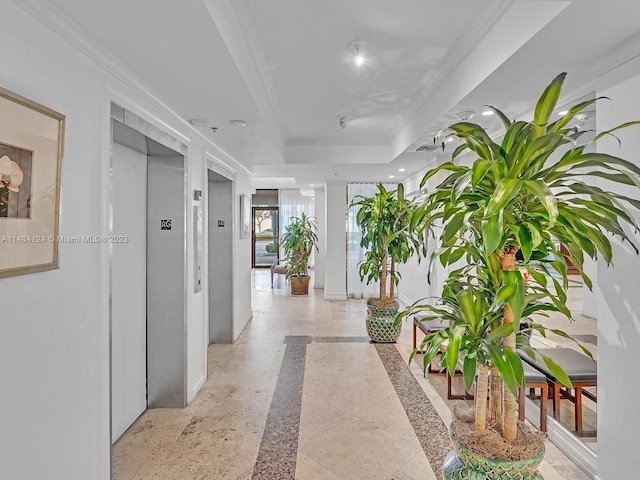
(425, 420)
(341, 340)
(279, 446)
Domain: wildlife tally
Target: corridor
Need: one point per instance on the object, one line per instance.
(303, 394)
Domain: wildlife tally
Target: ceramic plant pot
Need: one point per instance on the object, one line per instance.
(464, 464)
(380, 322)
(299, 287)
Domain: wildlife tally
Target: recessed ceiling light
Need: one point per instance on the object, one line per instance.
(487, 112)
(563, 112)
(311, 184)
(401, 169)
(357, 49)
(238, 123)
(392, 176)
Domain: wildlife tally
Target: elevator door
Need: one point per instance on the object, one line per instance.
(129, 296)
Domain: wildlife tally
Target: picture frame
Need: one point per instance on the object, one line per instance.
(31, 147)
(245, 216)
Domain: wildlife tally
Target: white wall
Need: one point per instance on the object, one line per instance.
(320, 261)
(414, 285)
(618, 302)
(335, 283)
(54, 360)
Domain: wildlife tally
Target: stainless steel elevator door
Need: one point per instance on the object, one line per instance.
(129, 294)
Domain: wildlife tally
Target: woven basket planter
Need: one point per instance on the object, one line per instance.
(380, 322)
(463, 464)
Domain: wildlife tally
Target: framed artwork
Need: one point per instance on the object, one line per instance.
(245, 216)
(31, 139)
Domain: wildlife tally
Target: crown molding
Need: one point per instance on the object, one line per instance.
(481, 25)
(72, 33)
(244, 16)
(617, 56)
(329, 141)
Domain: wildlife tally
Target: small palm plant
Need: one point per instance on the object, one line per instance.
(506, 212)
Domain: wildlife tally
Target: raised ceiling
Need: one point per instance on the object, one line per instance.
(284, 67)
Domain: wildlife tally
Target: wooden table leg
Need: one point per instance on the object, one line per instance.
(521, 403)
(414, 335)
(544, 395)
(556, 401)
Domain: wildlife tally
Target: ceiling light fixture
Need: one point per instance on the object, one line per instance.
(487, 113)
(238, 123)
(342, 122)
(392, 176)
(357, 49)
(401, 169)
(465, 115)
(311, 184)
(563, 113)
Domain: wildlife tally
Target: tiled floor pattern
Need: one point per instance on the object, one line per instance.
(363, 412)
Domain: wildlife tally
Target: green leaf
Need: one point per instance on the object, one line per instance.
(492, 231)
(546, 104)
(503, 294)
(525, 241)
(515, 362)
(453, 349)
(505, 369)
(557, 371)
(546, 197)
(505, 120)
(502, 331)
(469, 371)
(479, 170)
(516, 300)
(505, 191)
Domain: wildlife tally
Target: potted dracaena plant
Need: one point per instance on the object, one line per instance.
(298, 241)
(388, 239)
(502, 215)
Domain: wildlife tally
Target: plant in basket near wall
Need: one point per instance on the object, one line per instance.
(298, 241)
(503, 216)
(389, 239)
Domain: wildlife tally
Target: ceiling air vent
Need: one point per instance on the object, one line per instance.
(426, 148)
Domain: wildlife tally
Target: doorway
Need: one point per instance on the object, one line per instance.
(220, 215)
(147, 284)
(265, 236)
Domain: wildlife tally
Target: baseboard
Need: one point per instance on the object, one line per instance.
(197, 386)
(566, 441)
(403, 300)
(318, 285)
(334, 296)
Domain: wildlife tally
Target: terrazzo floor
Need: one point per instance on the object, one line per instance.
(303, 395)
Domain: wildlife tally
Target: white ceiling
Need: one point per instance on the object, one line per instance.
(284, 67)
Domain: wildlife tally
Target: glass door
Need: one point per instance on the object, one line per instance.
(265, 236)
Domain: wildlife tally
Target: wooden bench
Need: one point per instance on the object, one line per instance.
(581, 370)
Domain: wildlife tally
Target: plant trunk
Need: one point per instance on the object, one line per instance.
(392, 283)
(510, 426)
(482, 386)
(495, 411)
(383, 279)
